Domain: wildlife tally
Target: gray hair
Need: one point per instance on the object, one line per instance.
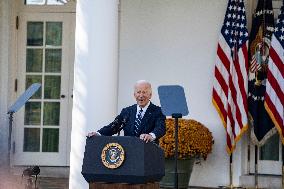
(143, 82)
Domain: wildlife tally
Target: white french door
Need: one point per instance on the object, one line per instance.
(45, 56)
(269, 157)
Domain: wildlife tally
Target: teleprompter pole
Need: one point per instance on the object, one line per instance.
(10, 137)
(176, 116)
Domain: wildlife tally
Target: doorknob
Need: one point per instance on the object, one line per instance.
(62, 96)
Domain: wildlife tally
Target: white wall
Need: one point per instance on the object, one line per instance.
(3, 79)
(6, 64)
(174, 42)
(8, 71)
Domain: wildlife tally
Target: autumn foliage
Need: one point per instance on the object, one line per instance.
(194, 139)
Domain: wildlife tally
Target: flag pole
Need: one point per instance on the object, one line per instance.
(248, 159)
(255, 166)
(282, 166)
(231, 171)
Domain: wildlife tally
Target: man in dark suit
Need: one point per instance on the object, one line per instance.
(144, 119)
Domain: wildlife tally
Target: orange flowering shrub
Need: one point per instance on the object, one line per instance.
(194, 139)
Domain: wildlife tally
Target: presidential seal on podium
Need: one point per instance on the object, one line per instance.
(112, 155)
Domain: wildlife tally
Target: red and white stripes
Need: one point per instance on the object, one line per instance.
(274, 96)
(230, 90)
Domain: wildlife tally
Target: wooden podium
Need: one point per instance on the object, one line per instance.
(122, 162)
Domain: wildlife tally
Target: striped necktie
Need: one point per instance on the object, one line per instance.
(138, 122)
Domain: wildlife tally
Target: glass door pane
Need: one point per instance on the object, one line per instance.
(31, 140)
(46, 2)
(53, 60)
(54, 33)
(33, 113)
(34, 33)
(34, 60)
(270, 150)
(35, 2)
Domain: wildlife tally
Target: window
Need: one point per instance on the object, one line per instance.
(45, 2)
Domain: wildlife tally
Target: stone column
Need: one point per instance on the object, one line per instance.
(4, 75)
(95, 76)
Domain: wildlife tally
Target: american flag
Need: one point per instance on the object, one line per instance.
(254, 65)
(274, 95)
(231, 73)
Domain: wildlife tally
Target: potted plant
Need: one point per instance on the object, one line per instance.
(195, 141)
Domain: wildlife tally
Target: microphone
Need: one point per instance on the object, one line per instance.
(118, 124)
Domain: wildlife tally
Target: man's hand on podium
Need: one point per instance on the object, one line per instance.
(146, 137)
(93, 134)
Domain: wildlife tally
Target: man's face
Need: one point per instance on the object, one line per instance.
(142, 94)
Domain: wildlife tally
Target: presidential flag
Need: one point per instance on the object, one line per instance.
(274, 95)
(231, 73)
(260, 36)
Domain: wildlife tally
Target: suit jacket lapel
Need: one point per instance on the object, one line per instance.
(145, 118)
(132, 117)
